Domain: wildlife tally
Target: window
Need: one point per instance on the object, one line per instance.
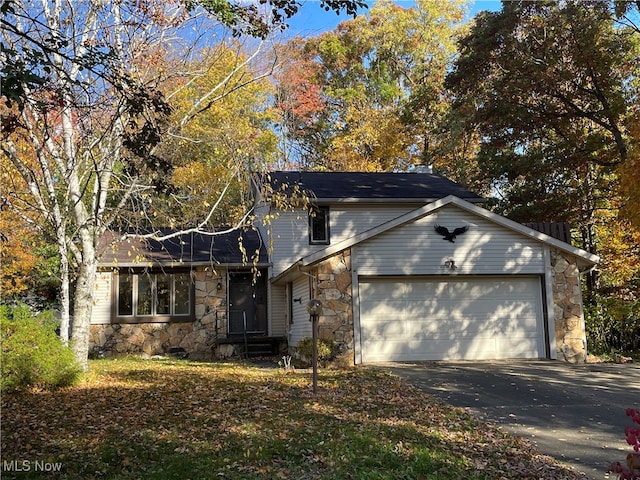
(147, 297)
(319, 226)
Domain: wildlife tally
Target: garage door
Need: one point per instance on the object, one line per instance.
(407, 319)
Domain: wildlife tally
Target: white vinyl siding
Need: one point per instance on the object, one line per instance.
(449, 318)
(288, 234)
(301, 326)
(417, 249)
(279, 316)
(101, 312)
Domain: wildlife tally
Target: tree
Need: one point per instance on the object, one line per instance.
(18, 261)
(29, 263)
(234, 130)
(83, 98)
(246, 18)
(626, 12)
(629, 171)
(369, 95)
(550, 85)
(552, 90)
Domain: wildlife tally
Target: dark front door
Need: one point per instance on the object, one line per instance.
(247, 304)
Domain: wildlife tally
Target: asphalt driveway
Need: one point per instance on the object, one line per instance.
(575, 413)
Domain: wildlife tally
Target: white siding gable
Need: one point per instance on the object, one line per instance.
(417, 249)
(288, 234)
(278, 307)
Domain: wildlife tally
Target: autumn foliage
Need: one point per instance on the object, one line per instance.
(29, 264)
(16, 255)
(369, 95)
(631, 470)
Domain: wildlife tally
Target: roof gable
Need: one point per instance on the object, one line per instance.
(584, 258)
(370, 187)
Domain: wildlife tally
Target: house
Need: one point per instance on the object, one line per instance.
(408, 267)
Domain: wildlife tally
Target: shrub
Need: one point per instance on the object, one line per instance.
(327, 349)
(631, 471)
(613, 325)
(31, 354)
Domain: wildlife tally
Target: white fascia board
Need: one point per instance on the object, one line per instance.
(289, 274)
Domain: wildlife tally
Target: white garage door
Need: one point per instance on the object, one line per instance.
(476, 318)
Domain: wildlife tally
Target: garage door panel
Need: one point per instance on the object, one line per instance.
(410, 351)
(385, 329)
(383, 310)
(517, 347)
(418, 290)
(434, 349)
(521, 324)
(390, 291)
(477, 318)
(404, 330)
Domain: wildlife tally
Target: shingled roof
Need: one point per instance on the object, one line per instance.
(187, 249)
(559, 230)
(367, 186)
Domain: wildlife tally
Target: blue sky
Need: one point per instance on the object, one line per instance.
(312, 20)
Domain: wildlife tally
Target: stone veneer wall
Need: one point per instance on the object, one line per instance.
(568, 311)
(197, 338)
(334, 290)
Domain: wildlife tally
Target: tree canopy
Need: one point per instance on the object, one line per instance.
(369, 95)
(550, 86)
(221, 131)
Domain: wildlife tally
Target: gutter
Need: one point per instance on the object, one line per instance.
(290, 273)
(185, 265)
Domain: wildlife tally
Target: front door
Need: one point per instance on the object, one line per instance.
(247, 304)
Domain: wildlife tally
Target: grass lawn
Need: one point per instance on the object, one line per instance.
(176, 419)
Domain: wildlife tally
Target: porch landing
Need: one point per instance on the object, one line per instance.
(254, 346)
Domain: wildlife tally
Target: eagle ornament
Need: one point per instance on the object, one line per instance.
(451, 236)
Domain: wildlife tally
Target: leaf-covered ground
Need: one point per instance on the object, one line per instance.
(166, 419)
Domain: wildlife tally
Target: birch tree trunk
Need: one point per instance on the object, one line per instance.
(64, 299)
(83, 305)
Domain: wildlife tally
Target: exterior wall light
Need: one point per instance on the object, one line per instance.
(450, 264)
(314, 307)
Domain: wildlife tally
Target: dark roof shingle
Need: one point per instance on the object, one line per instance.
(345, 186)
(192, 248)
(558, 230)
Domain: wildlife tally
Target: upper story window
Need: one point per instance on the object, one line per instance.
(144, 297)
(319, 226)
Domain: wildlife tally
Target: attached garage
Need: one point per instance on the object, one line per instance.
(404, 291)
(439, 318)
